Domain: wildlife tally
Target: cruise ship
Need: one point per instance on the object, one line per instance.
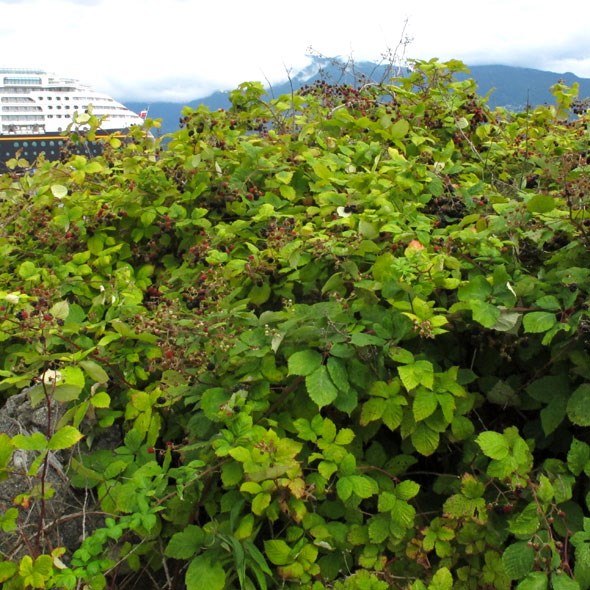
(38, 107)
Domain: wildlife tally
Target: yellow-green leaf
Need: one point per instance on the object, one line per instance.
(64, 438)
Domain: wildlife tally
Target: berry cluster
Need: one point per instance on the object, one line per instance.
(207, 289)
(446, 208)
(423, 328)
(333, 95)
(254, 192)
(198, 251)
(219, 194)
(279, 232)
(256, 269)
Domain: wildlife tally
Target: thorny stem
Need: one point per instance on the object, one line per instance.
(43, 504)
(15, 548)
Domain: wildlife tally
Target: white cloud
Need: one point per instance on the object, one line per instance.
(182, 49)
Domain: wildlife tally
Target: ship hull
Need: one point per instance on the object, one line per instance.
(52, 145)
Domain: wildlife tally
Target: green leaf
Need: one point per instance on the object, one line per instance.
(231, 474)
(541, 204)
(419, 373)
(66, 393)
(101, 400)
(545, 491)
(361, 339)
(493, 444)
(582, 564)
(518, 560)
(379, 528)
(27, 270)
(33, 442)
(536, 322)
(399, 129)
(338, 373)
(549, 387)
(258, 558)
(8, 520)
(284, 176)
(147, 217)
(507, 321)
(458, 506)
(402, 518)
(425, 440)
(503, 394)
(133, 440)
(476, 287)
(563, 582)
(462, 428)
(64, 438)
(578, 406)
(344, 437)
(549, 302)
(73, 375)
(59, 191)
(258, 294)
(320, 387)
(304, 429)
(7, 570)
(60, 310)
(36, 573)
(95, 244)
(526, 523)
(406, 490)
(484, 313)
(278, 552)
(6, 448)
(304, 362)
(392, 414)
(442, 580)
(578, 456)
(401, 355)
(205, 571)
(184, 544)
(372, 410)
(553, 414)
(363, 486)
(260, 503)
(347, 401)
(94, 371)
(534, 581)
(386, 501)
(425, 403)
(344, 488)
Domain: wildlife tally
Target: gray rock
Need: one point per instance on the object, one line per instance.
(66, 515)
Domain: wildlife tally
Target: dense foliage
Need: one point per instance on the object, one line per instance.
(343, 335)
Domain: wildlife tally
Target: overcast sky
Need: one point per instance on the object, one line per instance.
(179, 50)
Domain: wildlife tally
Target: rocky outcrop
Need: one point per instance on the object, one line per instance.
(51, 513)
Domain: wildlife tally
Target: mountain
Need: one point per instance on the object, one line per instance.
(509, 86)
(515, 87)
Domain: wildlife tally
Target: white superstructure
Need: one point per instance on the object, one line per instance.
(37, 109)
(35, 102)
